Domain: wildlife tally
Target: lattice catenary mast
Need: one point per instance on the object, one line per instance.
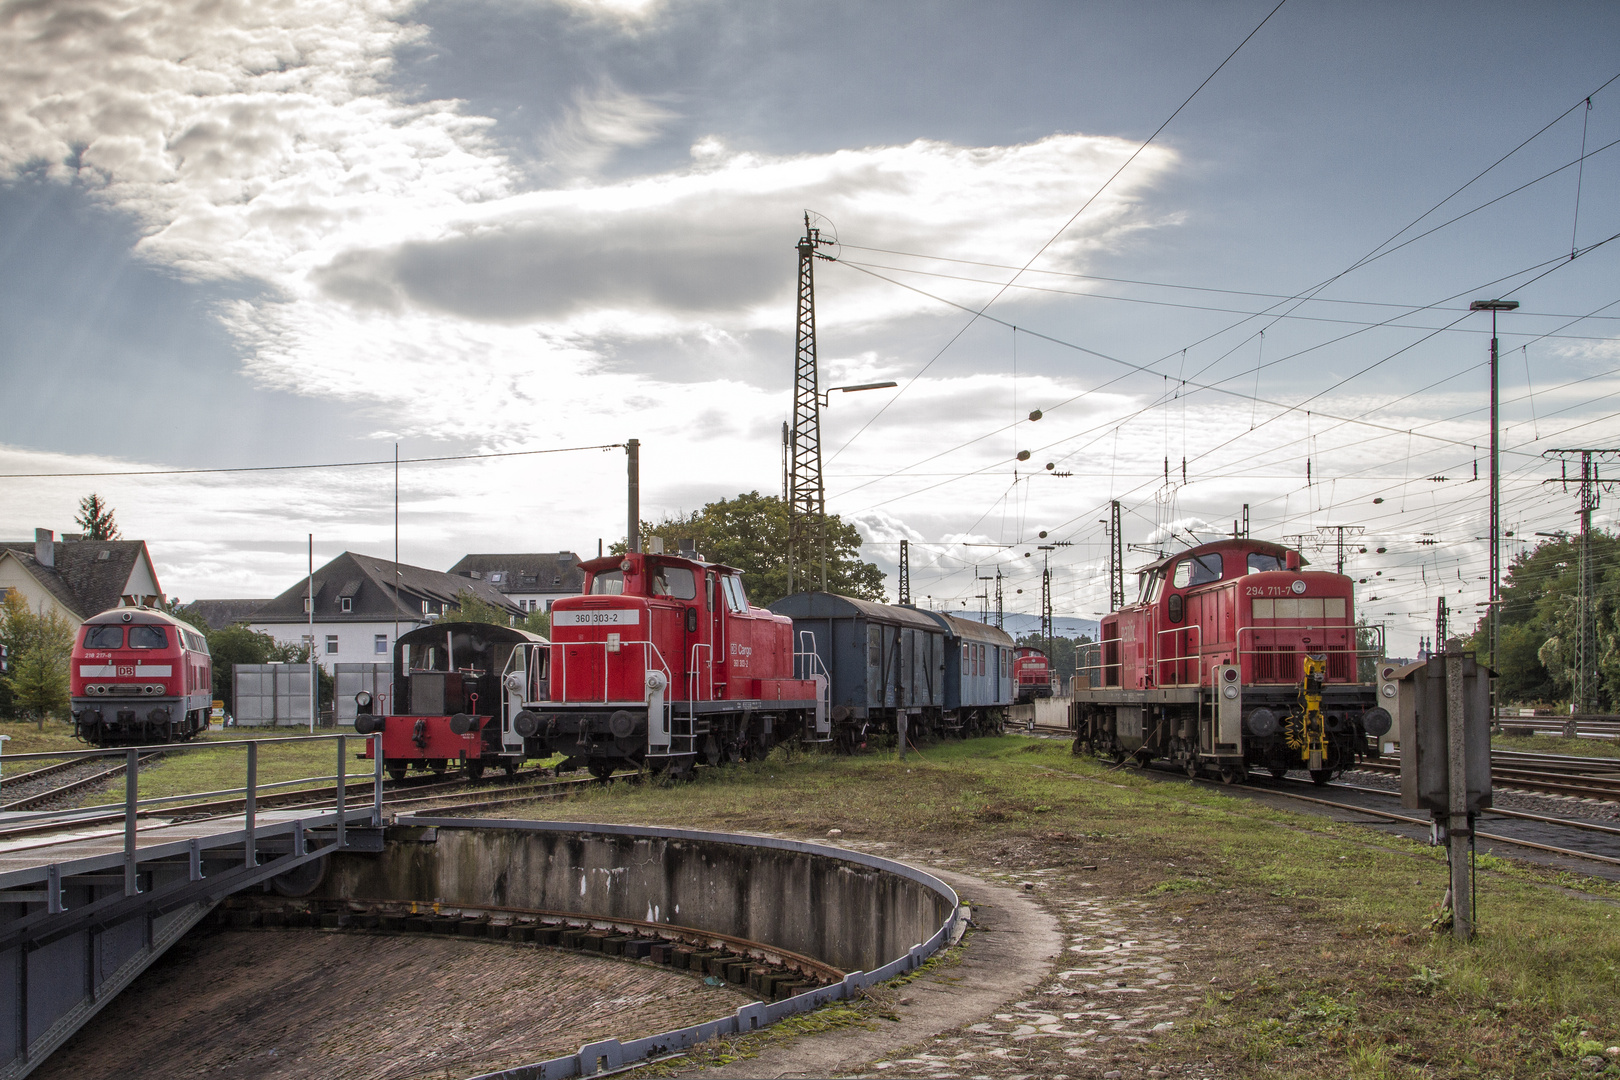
(1591, 488)
(807, 498)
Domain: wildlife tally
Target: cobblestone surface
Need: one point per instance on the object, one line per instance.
(1122, 981)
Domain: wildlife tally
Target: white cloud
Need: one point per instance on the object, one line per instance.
(599, 123)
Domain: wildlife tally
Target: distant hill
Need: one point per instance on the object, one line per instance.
(1018, 625)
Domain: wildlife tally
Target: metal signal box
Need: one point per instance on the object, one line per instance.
(1424, 700)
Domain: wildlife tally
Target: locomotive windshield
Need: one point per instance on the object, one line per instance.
(1260, 562)
(732, 586)
(148, 637)
(104, 637)
(1197, 570)
(608, 583)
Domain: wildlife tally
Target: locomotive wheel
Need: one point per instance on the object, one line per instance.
(397, 772)
(438, 765)
(1278, 772)
(600, 769)
(1320, 777)
(1231, 775)
(475, 768)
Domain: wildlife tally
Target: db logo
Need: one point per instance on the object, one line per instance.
(126, 671)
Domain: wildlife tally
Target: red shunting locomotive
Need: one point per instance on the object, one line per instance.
(1235, 658)
(1032, 674)
(662, 660)
(138, 676)
(458, 688)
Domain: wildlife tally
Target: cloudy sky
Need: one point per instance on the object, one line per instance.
(280, 233)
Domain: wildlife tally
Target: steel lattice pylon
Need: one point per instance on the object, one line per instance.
(807, 497)
(1591, 489)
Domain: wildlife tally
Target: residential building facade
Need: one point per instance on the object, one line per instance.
(532, 582)
(77, 578)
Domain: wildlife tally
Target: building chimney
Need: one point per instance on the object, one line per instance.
(45, 547)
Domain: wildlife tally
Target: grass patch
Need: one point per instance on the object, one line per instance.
(196, 769)
(1557, 744)
(1317, 931)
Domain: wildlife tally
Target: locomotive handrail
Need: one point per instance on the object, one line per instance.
(1191, 657)
(695, 673)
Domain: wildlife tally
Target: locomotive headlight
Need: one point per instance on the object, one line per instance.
(1230, 693)
(1388, 689)
(362, 701)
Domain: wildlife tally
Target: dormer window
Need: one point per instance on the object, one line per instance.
(308, 603)
(427, 607)
(347, 603)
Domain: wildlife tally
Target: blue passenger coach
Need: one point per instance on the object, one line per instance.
(978, 674)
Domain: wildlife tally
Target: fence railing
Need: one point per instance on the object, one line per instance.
(134, 805)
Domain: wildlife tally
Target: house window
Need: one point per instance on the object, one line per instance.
(426, 607)
(549, 603)
(348, 603)
(379, 644)
(331, 644)
(307, 603)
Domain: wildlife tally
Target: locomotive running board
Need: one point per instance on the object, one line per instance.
(1158, 695)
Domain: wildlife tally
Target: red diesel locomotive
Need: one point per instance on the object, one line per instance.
(1032, 675)
(662, 660)
(1236, 658)
(139, 676)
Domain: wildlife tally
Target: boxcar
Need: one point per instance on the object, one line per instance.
(885, 662)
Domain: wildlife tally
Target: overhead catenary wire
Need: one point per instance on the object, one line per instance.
(317, 465)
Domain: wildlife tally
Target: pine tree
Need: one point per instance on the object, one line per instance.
(96, 518)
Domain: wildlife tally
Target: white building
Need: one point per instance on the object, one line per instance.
(362, 603)
(532, 582)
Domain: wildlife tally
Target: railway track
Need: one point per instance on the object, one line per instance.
(1550, 774)
(1568, 763)
(38, 798)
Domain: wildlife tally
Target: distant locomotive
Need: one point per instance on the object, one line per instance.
(663, 661)
(138, 676)
(458, 690)
(1032, 674)
(1234, 658)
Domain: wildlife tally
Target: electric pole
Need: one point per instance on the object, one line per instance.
(1494, 599)
(1116, 560)
(807, 497)
(905, 574)
(1441, 621)
(1047, 632)
(1591, 491)
(1000, 614)
(1325, 534)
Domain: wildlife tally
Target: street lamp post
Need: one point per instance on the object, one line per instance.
(1493, 306)
(821, 526)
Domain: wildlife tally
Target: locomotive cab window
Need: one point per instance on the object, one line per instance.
(104, 637)
(1260, 562)
(148, 637)
(1150, 584)
(608, 583)
(736, 600)
(1198, 570)
(676, 581)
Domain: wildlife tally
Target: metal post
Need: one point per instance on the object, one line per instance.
(342, 784)
(905, 573)
(131, 796)
(1458, 826)
(3, 739)
(632, 536)
(377, 783)
(314, 679)
(250, 850)
(1496, 510)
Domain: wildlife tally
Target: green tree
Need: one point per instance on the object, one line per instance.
(537, 622)
(474, 608)
(232, 645)
(38, 645)
(96, 518)
(1539, 635)
(750, 532)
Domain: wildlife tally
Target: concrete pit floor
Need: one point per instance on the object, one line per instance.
(294, 1004)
